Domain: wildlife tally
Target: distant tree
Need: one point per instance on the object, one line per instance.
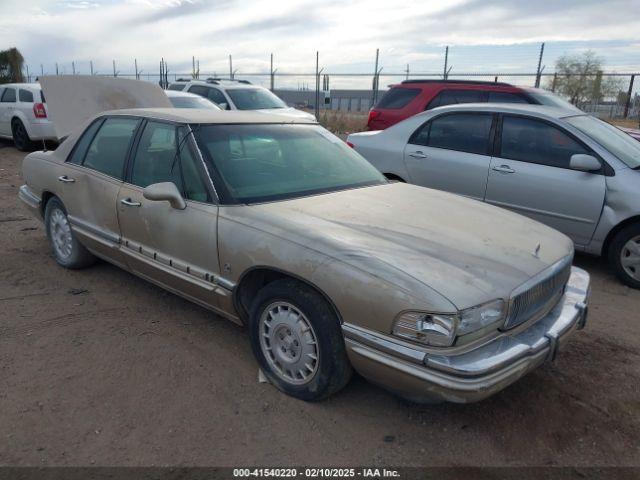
(11, 63)
(580, 79)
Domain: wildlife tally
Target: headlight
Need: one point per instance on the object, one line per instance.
(478, 317)
(428, 328)
(441, 329)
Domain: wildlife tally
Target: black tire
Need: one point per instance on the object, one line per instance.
(79, 256)
(20, 136)
(616, 254)
(333, 369)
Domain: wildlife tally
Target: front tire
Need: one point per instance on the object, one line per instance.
(297, 340)
(67, 250)
(624, 255)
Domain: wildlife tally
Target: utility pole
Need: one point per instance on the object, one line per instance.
(73, 67)
(41, 70)
(138, 72)
(57, 71)
(374, 93)
(230, 68)
(28, 76)
(446, 61)
(317, 107)
(407, 72)
(115, 74)
(628, 100)
(91, 66)
(539, 72)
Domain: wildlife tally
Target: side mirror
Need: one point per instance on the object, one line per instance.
(166, 191)
(584, 163)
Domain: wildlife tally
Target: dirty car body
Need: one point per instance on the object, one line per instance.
(277, 225)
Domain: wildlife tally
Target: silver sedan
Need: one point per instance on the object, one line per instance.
(569, 170)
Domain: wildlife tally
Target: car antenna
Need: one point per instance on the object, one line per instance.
(44, 145)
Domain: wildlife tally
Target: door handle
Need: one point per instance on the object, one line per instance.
(66, 179)
(130, 203)
(503, 169)
(417, 154)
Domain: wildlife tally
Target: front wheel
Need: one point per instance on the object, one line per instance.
(297, 340)
(624, 255)
(67, 250)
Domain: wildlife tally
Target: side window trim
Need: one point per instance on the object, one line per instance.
(75, 146)
(490, 143)
(498, 143)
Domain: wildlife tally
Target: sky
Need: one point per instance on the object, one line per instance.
(483, 35)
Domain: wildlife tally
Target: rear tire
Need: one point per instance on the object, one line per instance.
(297, 339)
(624, 255)
(67, 250)
(20, 136)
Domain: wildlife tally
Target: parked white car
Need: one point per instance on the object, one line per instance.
(189, 100)
(559, 166)
(238, 95)
(23, 115)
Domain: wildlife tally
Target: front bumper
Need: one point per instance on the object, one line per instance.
(474, 374)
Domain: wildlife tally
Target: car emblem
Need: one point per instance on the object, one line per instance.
(536, 252)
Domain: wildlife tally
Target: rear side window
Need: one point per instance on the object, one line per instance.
(199, 90)
(463, 132)
(398, 97)
(451, 97)
(216, 96)
(25, 96)
(176, 86)
(533, 141)
(9, 95)
(506, 97)
(81, 147)
(109, 148)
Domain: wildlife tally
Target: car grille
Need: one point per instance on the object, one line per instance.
(540, 298)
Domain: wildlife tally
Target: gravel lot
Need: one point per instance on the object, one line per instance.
(98, 367)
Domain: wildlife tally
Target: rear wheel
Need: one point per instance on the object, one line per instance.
(67, 250)
(20, 136)
(624, 255)
(297, 340)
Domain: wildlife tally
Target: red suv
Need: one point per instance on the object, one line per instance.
(414, 96)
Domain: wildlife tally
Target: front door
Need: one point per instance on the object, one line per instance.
(171, 247)
(451, 152)
(530, 175)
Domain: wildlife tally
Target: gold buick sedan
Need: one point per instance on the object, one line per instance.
(276, 224)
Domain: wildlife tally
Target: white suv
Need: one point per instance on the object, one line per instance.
(23, 115)
(238, 95)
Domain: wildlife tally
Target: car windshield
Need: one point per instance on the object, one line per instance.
(613, 139)
(544, 97)
(254, 99)
(265, 162)
(192, 102)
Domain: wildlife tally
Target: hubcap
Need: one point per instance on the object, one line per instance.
(630, 257)
(60, 232)
(289, 343)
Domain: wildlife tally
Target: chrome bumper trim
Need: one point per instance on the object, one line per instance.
(29, 198)
(478, 373)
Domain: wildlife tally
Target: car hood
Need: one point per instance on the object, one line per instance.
(74, 99)
(289, 111)
(468, 251)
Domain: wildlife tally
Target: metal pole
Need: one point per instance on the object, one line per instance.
(407, 77)
(271, 73)
(629, 92)
(539, 71)
(28, 76)
(135, 64)
(375, 80)
(91, 66)
(57, 72)
(114, 69)
(317, 107)
(446, 61)
(553, 84)
(230, 68)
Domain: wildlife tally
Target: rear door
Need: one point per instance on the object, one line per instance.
(7, 106)
(174, 248)
(452, 152)
(530, 174)
(91, 181)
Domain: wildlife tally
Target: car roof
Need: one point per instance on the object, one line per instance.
(180, 93)
(22, 85)
(224, 84)
(522, 108)
(197, 115)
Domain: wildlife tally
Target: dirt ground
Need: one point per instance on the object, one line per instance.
(98, 367)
